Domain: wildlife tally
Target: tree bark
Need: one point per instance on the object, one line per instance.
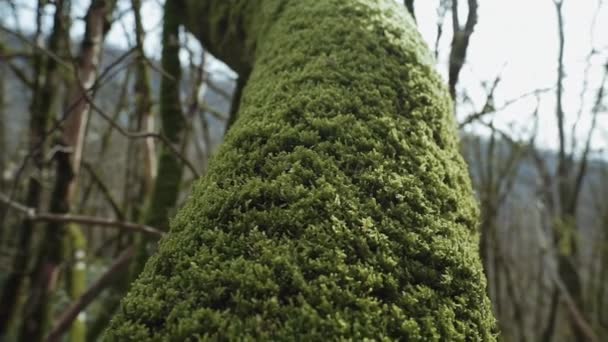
(143, 93)
(338, 206)
(566, 227)
(170, 168)
(46, 83)
(46, 271)
(460, 43)
(3, 147)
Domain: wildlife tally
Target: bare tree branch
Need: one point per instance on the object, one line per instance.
(32, 215)
(489, 109)
(460, 42)
(69, 315)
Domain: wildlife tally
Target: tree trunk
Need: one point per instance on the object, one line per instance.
(143, 103)
(77, 280)
(46, 272)
(170, 169)
(3, 145)
(338, 206)
(46, 83)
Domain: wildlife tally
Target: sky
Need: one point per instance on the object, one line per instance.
(516, 39)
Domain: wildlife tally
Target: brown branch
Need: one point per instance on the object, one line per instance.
(69, 315)
(460, 42)
(32, 215)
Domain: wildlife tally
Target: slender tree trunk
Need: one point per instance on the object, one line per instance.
(338, 206)
(169, 174)
(44, 100)
(460, 42)
(549, 331)
(68, 159)
(565, 229)
(170, 169)
(3, 147)
(143, 104)
(602, 316)
(77, 281)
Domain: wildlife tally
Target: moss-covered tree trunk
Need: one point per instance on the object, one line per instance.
(338, 206)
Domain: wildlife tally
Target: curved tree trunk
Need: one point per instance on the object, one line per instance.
(338, 206)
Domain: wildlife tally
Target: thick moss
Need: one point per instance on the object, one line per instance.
(338, 206)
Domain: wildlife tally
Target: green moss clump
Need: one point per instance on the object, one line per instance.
(337, 208)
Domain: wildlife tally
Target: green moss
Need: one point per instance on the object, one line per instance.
(338, 206)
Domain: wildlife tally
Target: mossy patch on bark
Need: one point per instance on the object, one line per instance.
(338, 206)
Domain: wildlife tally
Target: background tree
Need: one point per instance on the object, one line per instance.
(44, 100)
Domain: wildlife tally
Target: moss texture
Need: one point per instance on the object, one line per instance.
(337, 208)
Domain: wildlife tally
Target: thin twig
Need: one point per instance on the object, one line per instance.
(488, 110)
